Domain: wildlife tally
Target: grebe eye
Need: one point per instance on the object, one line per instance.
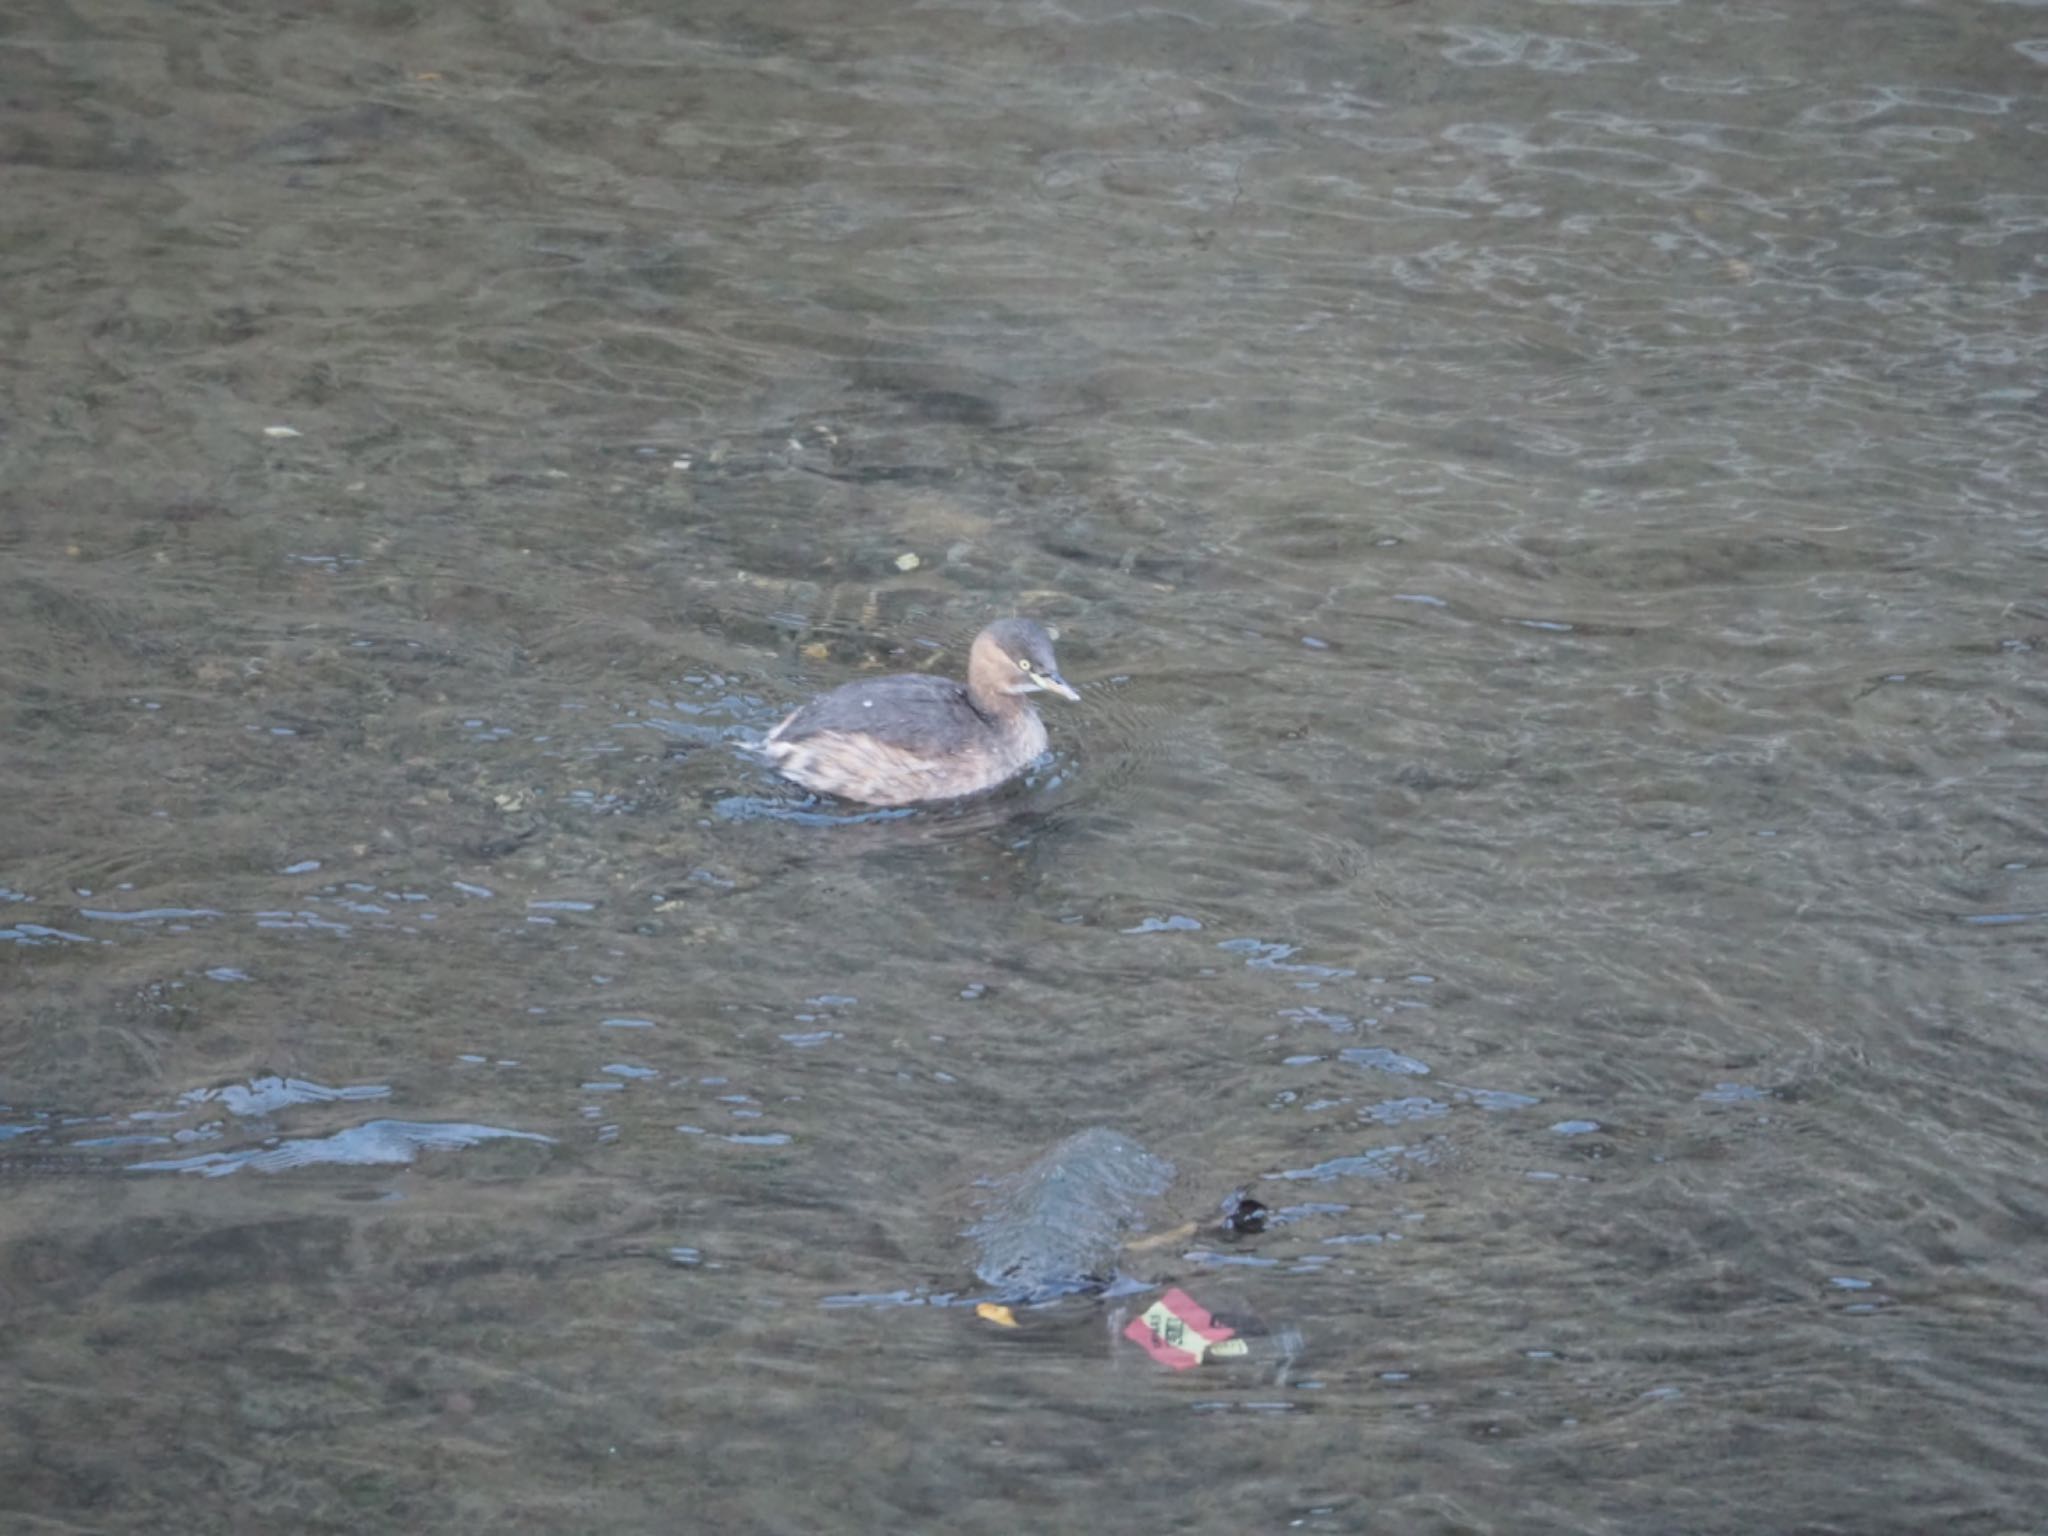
(1024, 662)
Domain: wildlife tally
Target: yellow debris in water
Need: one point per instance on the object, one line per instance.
(816, 651)
(908, 562)
(991, 1312)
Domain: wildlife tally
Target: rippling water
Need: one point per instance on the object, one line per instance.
(1545, 502)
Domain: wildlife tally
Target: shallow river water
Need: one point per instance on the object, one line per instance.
(1544, 503)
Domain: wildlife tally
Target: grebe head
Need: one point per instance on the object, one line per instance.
(1014, 656)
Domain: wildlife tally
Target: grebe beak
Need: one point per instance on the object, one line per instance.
(1054, 683)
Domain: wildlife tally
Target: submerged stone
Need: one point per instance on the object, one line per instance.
(1057, 1227)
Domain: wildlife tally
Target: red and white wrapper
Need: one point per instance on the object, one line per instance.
(1177, 1331)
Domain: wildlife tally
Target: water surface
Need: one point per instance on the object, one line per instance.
(1544, 502)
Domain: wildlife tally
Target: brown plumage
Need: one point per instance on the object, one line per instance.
(911, 737)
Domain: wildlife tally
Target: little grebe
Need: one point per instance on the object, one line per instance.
(898, 740)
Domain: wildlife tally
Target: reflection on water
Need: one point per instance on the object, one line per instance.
(374, 1141)
(1544, 506)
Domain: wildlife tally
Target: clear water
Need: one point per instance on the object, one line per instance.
(1546, 503)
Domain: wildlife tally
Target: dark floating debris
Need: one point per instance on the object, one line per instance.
(1243, 1216)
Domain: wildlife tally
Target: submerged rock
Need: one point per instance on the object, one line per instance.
(1057, 1227)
